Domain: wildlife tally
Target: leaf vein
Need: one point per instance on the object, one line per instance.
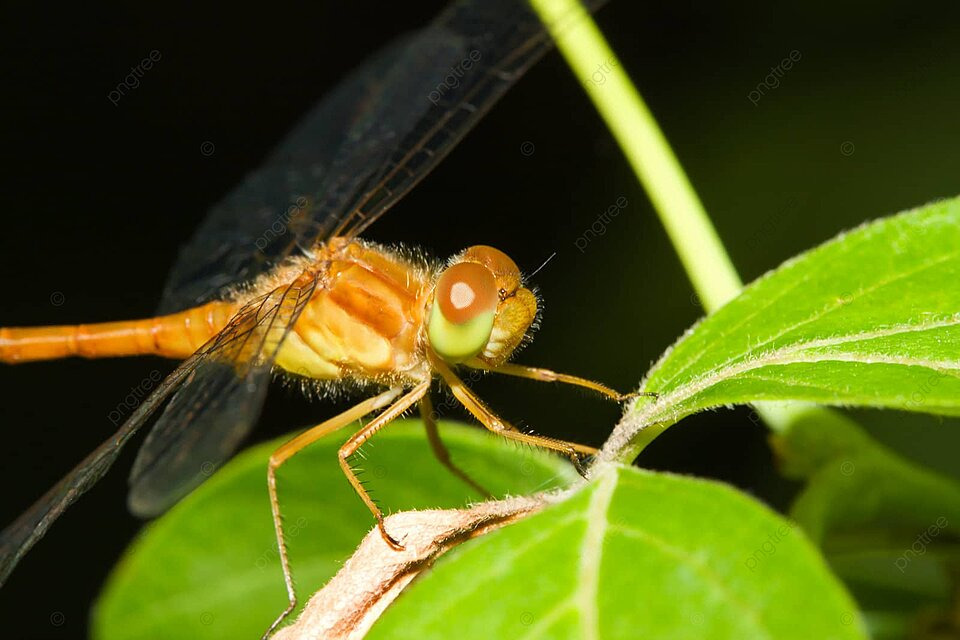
(703, 570)
(545, 621)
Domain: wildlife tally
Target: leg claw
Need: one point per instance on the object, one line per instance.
(390, 540)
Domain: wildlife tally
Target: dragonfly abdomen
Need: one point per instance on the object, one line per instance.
(173, 336)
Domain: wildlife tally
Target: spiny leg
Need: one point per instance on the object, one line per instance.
(287, 451)
(546, 375)
(440, 450)
(494, 423)
(356, 441)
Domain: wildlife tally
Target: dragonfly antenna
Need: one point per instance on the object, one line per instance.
(537, 270)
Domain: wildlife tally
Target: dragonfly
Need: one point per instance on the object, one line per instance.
(277, 280)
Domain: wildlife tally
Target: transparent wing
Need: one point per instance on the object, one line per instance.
(218, 402)
(364, 146)
(217, 395)
(246, 232)
(468, 57)
(17, 539)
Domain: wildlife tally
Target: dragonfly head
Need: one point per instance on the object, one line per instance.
(480, 308)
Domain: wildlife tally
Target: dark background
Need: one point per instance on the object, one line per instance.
(96, 199)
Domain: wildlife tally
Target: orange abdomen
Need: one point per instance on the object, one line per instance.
(363, 320)
(177, 335)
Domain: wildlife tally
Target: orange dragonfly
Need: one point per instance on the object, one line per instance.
(276, 279)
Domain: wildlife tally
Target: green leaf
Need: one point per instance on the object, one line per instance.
(209, 567)
(888, 526)
(861, 486)
(871, 318)
(633, 554)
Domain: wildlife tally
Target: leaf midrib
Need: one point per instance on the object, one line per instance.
(591, 555)
(792, 354)
(819, 315)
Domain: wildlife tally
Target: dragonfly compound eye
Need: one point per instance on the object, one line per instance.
(503, 268)
(464, 310)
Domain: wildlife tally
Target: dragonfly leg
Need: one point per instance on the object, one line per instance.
(356, 441)
(287, 451)
(546, 375)
(440, 450)
(473, 404)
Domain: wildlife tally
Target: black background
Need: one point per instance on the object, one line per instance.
(96, 198)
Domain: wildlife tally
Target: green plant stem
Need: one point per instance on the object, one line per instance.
(602, 76)
(703, 255)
